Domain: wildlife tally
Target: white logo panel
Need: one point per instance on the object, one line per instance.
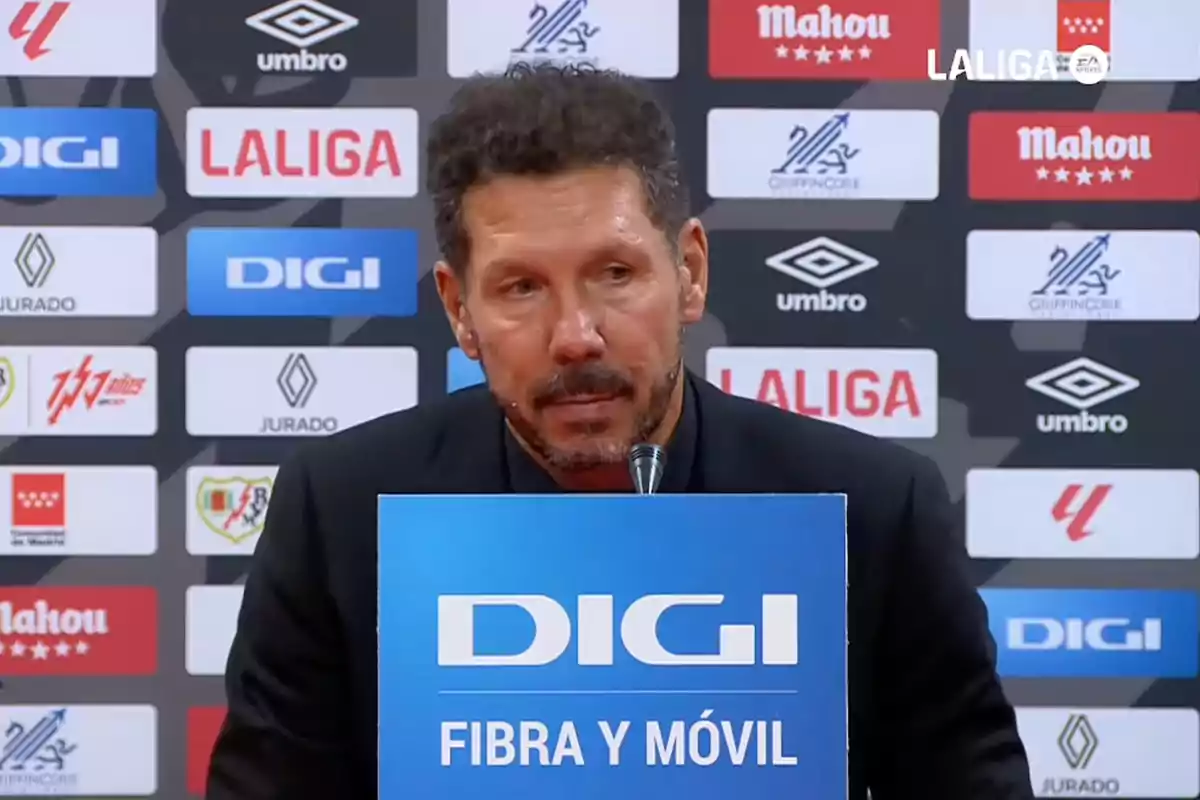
(281, 391)
(83, 744)
(886, 392)
(1083, 513)
(302, 152)
(77, 271)
(638, 38)
(1146, 40)
(211, 623)
(822, 154)
(1097, 276)
(227, 507)
(1112, 752)
(77, 40)
(79, 511)
(76, 391)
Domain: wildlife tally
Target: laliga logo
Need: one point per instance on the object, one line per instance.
(1087, 65)
(594, 631)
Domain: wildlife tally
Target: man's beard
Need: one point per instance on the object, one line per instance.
(592, 379)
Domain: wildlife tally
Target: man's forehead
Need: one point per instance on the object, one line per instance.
(583, 195)
(527, 218)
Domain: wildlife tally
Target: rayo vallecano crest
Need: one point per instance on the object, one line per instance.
(234, 508)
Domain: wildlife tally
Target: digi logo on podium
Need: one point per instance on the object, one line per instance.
(589, 647)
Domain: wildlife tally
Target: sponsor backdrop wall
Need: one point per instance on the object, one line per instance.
(213, 243)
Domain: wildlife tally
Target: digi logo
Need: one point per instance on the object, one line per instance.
(593, 631)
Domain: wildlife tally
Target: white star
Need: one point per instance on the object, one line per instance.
(846, 54)
(864, 52)
(1126, 174)
(18, 649)
(81, 647)
(1106, 175)
(1083, 176)
(40, 652)
(1043, 173)
(62, 649)
(1061, 175)
(781, 51)
(801, 53)
(824, 55)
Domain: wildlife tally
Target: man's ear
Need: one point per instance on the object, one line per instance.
(693, 258)
(453, 294)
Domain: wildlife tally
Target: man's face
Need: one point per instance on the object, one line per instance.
(573, 302)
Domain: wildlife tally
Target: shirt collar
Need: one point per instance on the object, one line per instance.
(526, 476)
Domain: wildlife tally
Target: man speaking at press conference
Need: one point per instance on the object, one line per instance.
(571, 269)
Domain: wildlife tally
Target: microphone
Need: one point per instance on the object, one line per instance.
(646, 465)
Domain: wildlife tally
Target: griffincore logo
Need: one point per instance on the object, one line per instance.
(1087, 65)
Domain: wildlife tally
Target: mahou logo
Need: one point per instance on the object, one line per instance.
(78, 631)
(1084, 156)
(839, 40)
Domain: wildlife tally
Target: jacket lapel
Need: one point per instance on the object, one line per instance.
(733, 453)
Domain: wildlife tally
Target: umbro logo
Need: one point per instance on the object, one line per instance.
(1082, 384)
(302, 24)
(821, 263)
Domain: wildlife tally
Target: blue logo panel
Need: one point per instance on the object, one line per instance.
(1093, 633)
(301, 272)
(461, 371)
(619, 647)
(78, 152)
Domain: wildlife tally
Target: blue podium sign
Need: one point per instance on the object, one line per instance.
(569, 647)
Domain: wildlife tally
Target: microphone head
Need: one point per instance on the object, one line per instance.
(647, 462)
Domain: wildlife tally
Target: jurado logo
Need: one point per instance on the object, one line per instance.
(297, 381)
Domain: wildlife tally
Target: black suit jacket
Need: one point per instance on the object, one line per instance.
(928, 718)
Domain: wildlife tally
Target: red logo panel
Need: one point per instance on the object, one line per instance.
(1026, 155)
(39, 500)
(203, 725)
(835, 40)
(109, 630)
(1084, 23)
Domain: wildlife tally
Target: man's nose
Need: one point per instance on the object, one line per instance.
(576, 337)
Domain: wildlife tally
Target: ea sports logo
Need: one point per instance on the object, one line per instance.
(1088, 65)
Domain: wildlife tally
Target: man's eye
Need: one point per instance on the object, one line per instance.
(520, 287)
(618, 273)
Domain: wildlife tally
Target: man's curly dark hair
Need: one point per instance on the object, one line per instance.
(543, 119)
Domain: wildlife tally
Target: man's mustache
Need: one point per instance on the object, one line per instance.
(586, 379)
